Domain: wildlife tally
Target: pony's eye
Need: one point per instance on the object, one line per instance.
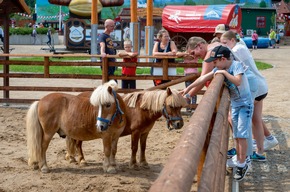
(108, 105)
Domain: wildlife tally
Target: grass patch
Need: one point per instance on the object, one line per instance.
(263, 66)
(87, 70)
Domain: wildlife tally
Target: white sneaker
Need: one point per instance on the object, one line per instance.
(254, 146)
(232, 162)
(269, 144)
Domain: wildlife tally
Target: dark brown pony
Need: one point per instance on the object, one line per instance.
(102, 115)
(143, 109)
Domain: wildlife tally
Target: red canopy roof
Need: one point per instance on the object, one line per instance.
(202, 19)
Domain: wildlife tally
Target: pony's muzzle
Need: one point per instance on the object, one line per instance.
(177, 124)
(102, 124)
(104, 127)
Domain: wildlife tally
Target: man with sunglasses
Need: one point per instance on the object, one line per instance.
(198, 48)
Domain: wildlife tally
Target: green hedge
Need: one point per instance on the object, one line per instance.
(28, 31)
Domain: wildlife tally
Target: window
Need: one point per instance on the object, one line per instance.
(261, 22)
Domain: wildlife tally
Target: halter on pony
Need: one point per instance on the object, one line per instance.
(169, 118)
(118, 111)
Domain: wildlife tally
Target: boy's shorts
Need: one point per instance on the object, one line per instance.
(242, 121)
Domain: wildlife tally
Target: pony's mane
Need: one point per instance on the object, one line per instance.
(154, 100)
(101, 95)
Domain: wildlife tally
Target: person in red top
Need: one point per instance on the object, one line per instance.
(126, 70)
(255, 40)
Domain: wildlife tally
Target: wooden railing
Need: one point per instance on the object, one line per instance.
(7, 74)
(202, 148)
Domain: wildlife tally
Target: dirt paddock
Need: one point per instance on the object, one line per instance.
(272, 175)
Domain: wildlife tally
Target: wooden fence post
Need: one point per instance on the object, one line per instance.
(105, 70)
(46, 67)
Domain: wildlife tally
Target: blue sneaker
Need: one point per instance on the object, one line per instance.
(257, 157)
(231, 152)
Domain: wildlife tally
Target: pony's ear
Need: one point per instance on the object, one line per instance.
(168, 90)
(110, 89)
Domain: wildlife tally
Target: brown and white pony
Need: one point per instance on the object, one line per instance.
(102, 115)
(142, 110)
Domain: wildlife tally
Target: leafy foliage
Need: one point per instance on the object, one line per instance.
(28, 31)
(30, 3)
(263, 4)
(189, 2)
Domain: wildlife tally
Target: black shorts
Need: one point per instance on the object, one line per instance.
(255, 42)
(261, 97)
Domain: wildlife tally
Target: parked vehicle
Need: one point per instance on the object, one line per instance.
(183, 22)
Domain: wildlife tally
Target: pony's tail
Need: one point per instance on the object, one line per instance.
(34, 135)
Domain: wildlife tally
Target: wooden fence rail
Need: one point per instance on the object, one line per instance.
(7, 74)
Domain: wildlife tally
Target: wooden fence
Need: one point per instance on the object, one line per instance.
(202, 147)
(7, 74)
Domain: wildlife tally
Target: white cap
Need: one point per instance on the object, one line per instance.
(221, 28)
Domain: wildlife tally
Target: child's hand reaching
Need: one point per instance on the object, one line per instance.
(184, 91)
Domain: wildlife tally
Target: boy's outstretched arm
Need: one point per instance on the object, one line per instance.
(201, 80)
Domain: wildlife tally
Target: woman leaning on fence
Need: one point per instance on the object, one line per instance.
(164, 47)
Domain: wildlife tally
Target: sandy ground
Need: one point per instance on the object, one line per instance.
(15, 175)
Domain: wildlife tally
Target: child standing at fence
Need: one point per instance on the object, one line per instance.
(241, 100)
(128, 70)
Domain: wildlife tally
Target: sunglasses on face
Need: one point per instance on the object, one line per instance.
(192, 51)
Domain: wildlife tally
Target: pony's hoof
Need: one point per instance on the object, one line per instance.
(83, 162)
(35, 166)
(111, 170)
(144, 165)
(44, 170)
(70, 159)
(134, 166)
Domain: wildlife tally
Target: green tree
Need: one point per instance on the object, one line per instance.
(273, 20)
(263, 4)
(189, 2)
(30, 3)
